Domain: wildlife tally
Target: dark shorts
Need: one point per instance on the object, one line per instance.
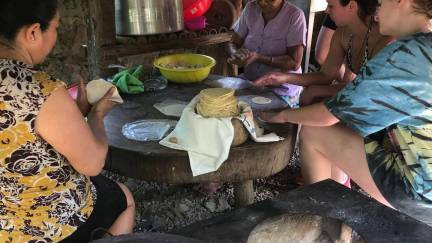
(110, 203)
(395, 188)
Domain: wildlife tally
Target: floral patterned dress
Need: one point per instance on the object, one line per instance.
(42, 198)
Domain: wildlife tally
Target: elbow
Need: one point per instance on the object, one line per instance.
(296, 65)
(329, 120)
(95, 168)
(319, 58)
(91, 163)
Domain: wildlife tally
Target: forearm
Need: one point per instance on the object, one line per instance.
(84, 108)
(307, 79)
(328, 90)
(284, 62)
(97, 127)
(312, 115)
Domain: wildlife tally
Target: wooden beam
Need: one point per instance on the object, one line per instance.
(112, 51)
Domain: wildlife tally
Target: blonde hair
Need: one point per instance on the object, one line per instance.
(423, 7)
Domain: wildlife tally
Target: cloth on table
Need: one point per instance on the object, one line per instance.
(208, 140)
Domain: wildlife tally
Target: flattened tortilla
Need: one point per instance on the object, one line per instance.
(96, 89)
(261, 100)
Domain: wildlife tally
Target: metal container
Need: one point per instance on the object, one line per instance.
(147, 17)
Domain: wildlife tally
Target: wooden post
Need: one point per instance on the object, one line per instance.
(315, 6)
(101, 32)
(244, 193)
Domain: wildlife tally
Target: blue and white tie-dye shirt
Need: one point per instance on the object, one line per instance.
(394, 92)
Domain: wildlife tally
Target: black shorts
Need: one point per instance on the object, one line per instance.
(394, 187)
(110, 203)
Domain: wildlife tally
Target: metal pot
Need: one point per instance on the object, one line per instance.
(146, 17)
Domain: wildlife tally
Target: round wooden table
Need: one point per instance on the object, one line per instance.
(153, 162)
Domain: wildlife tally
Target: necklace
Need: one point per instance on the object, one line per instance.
(365, 44)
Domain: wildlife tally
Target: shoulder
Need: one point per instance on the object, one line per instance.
(408, 57)
(47, 83)
(341, 37)
(11, 69)
(418, 46)
(251, 6)
(249, 12)
(292, 11)
(416, 42)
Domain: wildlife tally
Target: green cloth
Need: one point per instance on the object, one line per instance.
(128, 80)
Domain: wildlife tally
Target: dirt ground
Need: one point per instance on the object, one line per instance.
(164, 207)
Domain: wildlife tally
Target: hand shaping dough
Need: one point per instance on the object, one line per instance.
(96, 89)
(261, 100)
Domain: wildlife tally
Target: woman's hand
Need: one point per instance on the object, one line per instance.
(240, 57)
(104, 105)
(252, 57)
(82, 102)
(272, 117)
(273, 78)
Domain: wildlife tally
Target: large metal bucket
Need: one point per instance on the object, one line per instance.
(146, 17)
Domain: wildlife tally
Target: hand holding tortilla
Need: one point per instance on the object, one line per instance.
(96, 89)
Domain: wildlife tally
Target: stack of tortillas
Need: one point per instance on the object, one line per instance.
(221, 103)
(218, 103)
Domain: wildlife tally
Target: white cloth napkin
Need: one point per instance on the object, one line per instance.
(208, 140)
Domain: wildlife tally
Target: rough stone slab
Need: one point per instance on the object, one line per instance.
(147, 238)
(373, 221)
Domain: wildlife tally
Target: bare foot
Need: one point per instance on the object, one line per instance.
(208, 188)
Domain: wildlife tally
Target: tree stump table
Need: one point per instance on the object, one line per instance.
(153, 162)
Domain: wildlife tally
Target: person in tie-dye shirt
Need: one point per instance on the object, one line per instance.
(378, 129)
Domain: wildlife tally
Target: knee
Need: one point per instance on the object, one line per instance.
(129, 197)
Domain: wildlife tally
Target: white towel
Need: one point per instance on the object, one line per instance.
(208, 140)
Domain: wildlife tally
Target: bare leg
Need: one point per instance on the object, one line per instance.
(125, 222)
(321, 147)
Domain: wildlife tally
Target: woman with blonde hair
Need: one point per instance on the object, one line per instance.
(378, 129)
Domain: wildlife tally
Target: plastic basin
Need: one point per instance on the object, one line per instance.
(192, 75)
